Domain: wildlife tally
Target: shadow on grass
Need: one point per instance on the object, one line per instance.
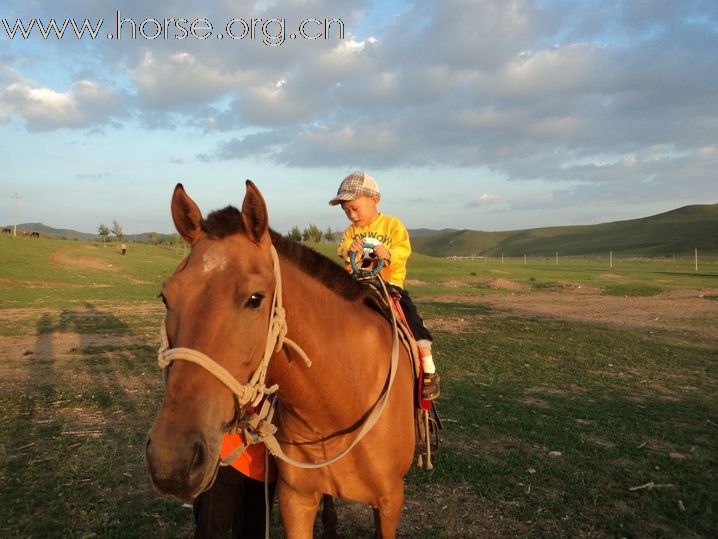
(76, 437)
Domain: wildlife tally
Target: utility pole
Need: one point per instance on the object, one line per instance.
(16, 197)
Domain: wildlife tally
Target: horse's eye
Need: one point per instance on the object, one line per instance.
(254, 301)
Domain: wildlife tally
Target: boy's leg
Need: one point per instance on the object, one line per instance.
(214, 509)
(234, 502)
(250, 520)
(430, 380)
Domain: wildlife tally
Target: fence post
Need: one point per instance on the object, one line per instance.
(557, 258)
(696, 258)
(610, 259)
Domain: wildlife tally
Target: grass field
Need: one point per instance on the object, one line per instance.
(578, 399)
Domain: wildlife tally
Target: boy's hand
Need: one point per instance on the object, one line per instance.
(356, 247)
(382, 252)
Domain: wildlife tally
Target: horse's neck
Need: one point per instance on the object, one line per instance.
(348, 369)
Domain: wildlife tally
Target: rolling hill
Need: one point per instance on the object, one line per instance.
(677, 231)
(69, 234)
(673, 232)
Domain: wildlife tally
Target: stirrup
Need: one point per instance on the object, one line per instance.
(430, 386)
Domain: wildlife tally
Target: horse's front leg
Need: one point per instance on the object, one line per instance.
(386, 516)
(298, 511)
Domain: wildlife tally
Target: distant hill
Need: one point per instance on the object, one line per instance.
(672, 232)
(422, 232)
(59, 233)
(69, 234)
(676, 231)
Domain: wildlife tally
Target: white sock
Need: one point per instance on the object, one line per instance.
(427, 361)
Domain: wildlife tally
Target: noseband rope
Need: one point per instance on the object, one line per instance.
(258, 426)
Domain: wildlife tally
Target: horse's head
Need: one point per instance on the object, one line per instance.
(218, 303)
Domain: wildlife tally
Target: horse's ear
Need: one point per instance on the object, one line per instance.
(186, 215)
(254, 214)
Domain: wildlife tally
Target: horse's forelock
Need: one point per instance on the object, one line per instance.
(224, 222)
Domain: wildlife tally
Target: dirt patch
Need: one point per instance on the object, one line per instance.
(60, 258)
(454, 325)
(610, 277)
(554, 391)
(568, 286)
(505, 284)
(690, 312)
(138, 281)
(533, 401)
(499, 272)
(19, 353)
(455, 284)
(415, 282)
(38, 284)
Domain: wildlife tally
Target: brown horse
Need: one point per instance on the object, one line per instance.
(219, 303)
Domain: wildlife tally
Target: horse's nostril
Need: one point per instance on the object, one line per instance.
(199, 458)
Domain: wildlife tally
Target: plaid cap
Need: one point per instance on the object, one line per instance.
(357, 184)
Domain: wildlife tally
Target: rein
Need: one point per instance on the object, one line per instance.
(258, 426)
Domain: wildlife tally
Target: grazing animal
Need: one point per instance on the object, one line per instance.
(34, 235)
(219, 306)
(7, 230)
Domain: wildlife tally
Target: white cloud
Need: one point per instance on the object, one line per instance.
(175, 80)
(484, 200)
(526, 89)
(87, 104)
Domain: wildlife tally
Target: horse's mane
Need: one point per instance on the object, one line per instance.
(228, 221)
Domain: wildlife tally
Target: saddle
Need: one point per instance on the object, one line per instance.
(427, 423)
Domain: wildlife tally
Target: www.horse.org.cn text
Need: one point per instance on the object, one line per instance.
(271, 31)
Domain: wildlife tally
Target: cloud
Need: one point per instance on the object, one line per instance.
(88, 104)
(526, 89)
(483, 200)
(170, 82)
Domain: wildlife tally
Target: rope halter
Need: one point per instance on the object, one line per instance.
(253, 391)
(258, 427)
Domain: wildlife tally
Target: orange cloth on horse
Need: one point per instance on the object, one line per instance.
(250, 463)
(388, 231)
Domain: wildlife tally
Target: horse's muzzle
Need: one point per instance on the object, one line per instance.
(182, 470)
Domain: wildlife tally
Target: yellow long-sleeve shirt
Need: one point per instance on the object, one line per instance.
(388, 231)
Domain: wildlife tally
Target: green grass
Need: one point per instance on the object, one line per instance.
(624, 407)
(45, 272)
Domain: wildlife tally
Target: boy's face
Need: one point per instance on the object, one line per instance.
(361, 211)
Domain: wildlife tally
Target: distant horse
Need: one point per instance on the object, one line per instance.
(7, 230)
(34, 235)
(220, 304)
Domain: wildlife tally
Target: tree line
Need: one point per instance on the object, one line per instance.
(311, 233)
(314, 234)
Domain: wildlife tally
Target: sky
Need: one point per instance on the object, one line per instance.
(478, 114)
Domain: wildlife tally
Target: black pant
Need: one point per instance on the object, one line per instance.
(416, 323)
(234, 502)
